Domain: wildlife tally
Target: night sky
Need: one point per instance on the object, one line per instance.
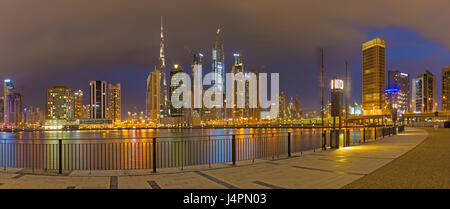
(45, 43)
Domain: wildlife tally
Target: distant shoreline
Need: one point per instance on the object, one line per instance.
(172, 128)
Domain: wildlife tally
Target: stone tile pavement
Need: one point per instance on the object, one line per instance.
(320, 169)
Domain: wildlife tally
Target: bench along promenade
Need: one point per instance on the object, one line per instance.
(316, 168)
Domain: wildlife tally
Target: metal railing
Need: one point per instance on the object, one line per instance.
(57, 155)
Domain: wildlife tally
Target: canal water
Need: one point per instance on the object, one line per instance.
(136, 148)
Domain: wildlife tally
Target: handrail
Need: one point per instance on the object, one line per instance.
(170, 137)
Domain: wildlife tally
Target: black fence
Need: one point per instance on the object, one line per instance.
(50, 155)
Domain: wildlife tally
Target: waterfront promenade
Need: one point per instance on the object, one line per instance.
(320, 169)
(425, 167)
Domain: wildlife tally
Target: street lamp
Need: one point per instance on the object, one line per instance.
(337, 85)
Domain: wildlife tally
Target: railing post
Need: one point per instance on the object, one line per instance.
(364, 134)
(331, 138)
(154, 154)
(324, 140)
(60, 156)
(289, 144)
(348, 137)
(3, 154)
(375, 133)
(233, 149)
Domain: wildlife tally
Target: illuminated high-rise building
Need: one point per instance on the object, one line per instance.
(398, 91)
(2, 111)
(14, 109)
(291, 108)
(298, 113)
(78, 109)
(255, 112)
(12, 105)
(98, 100)
(373, 76)
(238, 94)
(154, 95)
(424, 92)
(196, 87)
(114, 102)
(283, 114)
(175, 112)
(165, 103)
(60, 103)
(445, 88)
(218, 68)
(8, 88)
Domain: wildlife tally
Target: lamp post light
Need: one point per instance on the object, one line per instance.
(337, 87)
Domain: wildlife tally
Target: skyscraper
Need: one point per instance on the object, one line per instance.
(196, 88)
(238, 94)
(114, 102)
(175, 112)
(78, 110)
(59, 104)
(283, 106)
(14, 109)
(12, 105)
(255, 112)
(445, 88)
(8, 88)
(154, 95)
(218, 68)
(165, 103)
(2, 109)
(424, 92)
(398, 86)
(98, 100)
(373, 76)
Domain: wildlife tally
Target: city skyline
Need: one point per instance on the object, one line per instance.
(162, 65)
(408, 49)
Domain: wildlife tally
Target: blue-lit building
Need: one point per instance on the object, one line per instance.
(399, 91)
(392, 98)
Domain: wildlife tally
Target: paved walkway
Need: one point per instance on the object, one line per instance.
(425, 167)
(320, 169)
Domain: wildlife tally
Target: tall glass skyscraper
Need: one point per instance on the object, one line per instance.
(12, 105)
(165, 103)
(114, 102)
(98, 100)
(424, 92)
(218, 67)
(445, 88)
(196, 88)
(398, 82)
(373, 76)
(78, 112)
(175, 112)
